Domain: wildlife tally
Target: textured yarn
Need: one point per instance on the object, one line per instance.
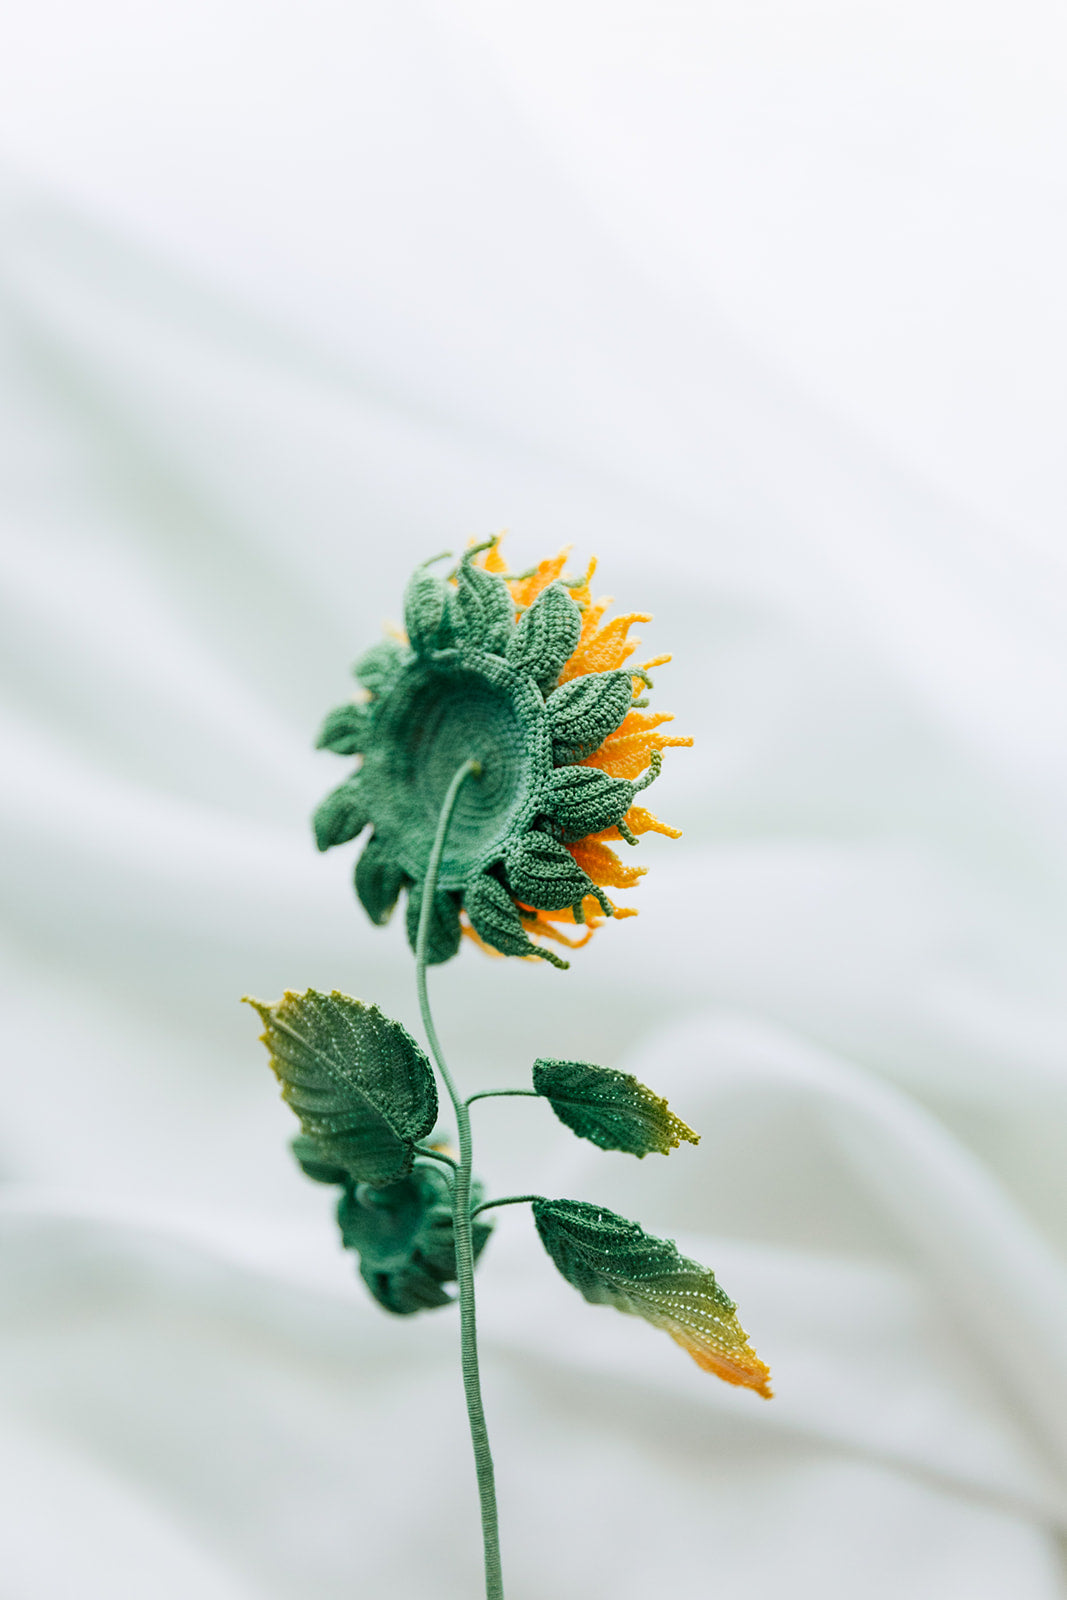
(405, 1239)
(479, 678)
(613, 1262)
(610, 1109)
(361, 1086)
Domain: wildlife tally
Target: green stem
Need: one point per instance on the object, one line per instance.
(493, 1094)
(436, 1155)
(461, 1215)
(508, 1200)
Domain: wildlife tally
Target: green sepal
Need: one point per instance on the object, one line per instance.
(426, 613)
(361, 1086)
(378, 667)
(443, 934)
(613, 1262)
(481, 609)
(583, 800)
(543, 874)
(495, 918)
(314, 1163)
(610, 1109)
(405, 1239)
(345, 729)
(582, 713)
(378, 881)
(341, 816)
(546, 636)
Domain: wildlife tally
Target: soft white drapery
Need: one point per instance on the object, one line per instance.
(762, 305)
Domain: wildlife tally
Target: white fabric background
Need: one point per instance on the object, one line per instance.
(763, 304)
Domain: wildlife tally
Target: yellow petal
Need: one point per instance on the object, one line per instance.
(603, 865)
(525, 590)
(606, 649)
(627, 757)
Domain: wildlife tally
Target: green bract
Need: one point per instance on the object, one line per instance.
(475, 683)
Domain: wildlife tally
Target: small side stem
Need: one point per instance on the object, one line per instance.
(494, 1094)
(461, 1215)
(508, 1200)
(436, 1155)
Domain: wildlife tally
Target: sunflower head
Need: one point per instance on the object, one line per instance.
(522, 674)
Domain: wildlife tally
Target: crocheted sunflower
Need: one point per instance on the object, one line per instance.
(522, 674)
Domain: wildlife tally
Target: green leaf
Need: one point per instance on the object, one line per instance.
(495, 918)
(610, 1109)
(582, 713)
(444, 932)
(543, 874)
(346, 729)
(584, 800)
(379, 880)
(613, 1262)
(314, 1164)
(405, 1240)
(359, 1083)
(378, 667)
(426, 612)
(341, 816)
(546, 636)
(483, 612)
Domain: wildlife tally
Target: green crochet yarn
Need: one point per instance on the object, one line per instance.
(475, 683)
(458, 704)
(405, 1240)
(500, 751)
(611, 1109)
(613, 1262)
(362, 1088)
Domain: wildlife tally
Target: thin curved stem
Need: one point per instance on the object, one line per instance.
(461, 1213)
(508, 1200)
(437, 1155)
(493, 1094)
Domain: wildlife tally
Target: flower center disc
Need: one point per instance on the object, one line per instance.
(442, 713)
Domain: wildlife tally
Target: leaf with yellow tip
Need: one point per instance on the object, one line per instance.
(613, 1262)
(359, 1083)
(611, 1109)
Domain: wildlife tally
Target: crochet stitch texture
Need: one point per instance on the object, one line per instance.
(521, 674)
